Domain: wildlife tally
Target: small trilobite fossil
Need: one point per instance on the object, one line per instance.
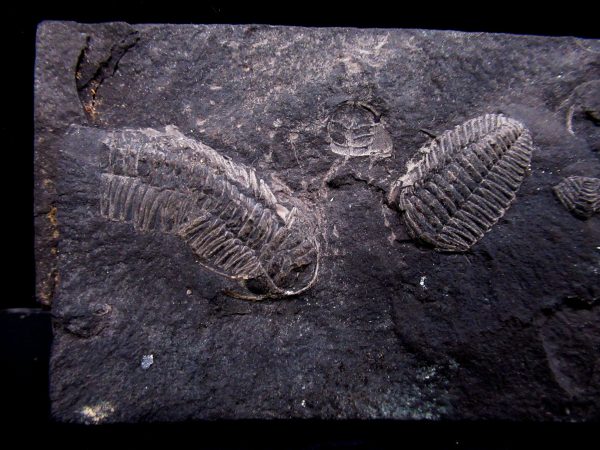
(237, 225)
(584, 101)
(355, 129)
(583, 113)
(580, 195)
(460, 184)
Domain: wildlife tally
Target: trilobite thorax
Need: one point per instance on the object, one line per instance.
(232, 220)
(580, 195)
(459, 185)
(355, 129)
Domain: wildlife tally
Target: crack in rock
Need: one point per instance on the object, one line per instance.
(90, 75)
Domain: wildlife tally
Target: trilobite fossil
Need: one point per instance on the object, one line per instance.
(236, 224)
(583, 113)
(580, 195)
(355, 129)
(460, 184)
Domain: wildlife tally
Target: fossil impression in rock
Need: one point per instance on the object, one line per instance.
(584, 101)
(355, 129)
(236, 224)
(580, 195)
(459, 185)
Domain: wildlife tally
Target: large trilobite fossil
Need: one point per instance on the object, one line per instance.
(236, 224)
(461, 183)
(580, 195)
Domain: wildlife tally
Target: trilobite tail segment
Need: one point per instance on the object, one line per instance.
(463, 182)
(233, 222)
(580, 195)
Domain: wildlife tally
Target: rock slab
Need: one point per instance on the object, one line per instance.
(392, 328)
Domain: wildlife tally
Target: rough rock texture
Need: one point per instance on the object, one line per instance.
(392, 328)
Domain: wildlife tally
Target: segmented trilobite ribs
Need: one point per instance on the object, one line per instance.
(231, 219)
(354, 129)
(580, 195)
(461, 183)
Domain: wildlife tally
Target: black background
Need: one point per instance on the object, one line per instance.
(25, 327)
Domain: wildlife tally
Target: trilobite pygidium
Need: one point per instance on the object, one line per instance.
(460, 184)
(355, 129)
(236, 224)
(580, 195)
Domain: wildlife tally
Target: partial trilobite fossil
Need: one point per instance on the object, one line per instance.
(583, 113)
(585, 102)
(460, 184)
(235, 223)
(355, 129)
(580, 195)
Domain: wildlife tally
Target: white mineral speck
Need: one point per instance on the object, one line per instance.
(422, 282)
(188, 292)
(98, 412)
(303, 403)
(147, 361)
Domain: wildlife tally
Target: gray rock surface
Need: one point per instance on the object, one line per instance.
(392, 328)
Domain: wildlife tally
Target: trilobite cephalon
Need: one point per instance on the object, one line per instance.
(583, 113)
(236, 224)
(355, 129)
(580, 195)
(460, 184)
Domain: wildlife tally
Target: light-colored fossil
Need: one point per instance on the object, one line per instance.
(580, 195)
(236, 224)
(459, 185)
(355, 129)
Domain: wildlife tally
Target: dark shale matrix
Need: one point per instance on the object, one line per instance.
(412, 215)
